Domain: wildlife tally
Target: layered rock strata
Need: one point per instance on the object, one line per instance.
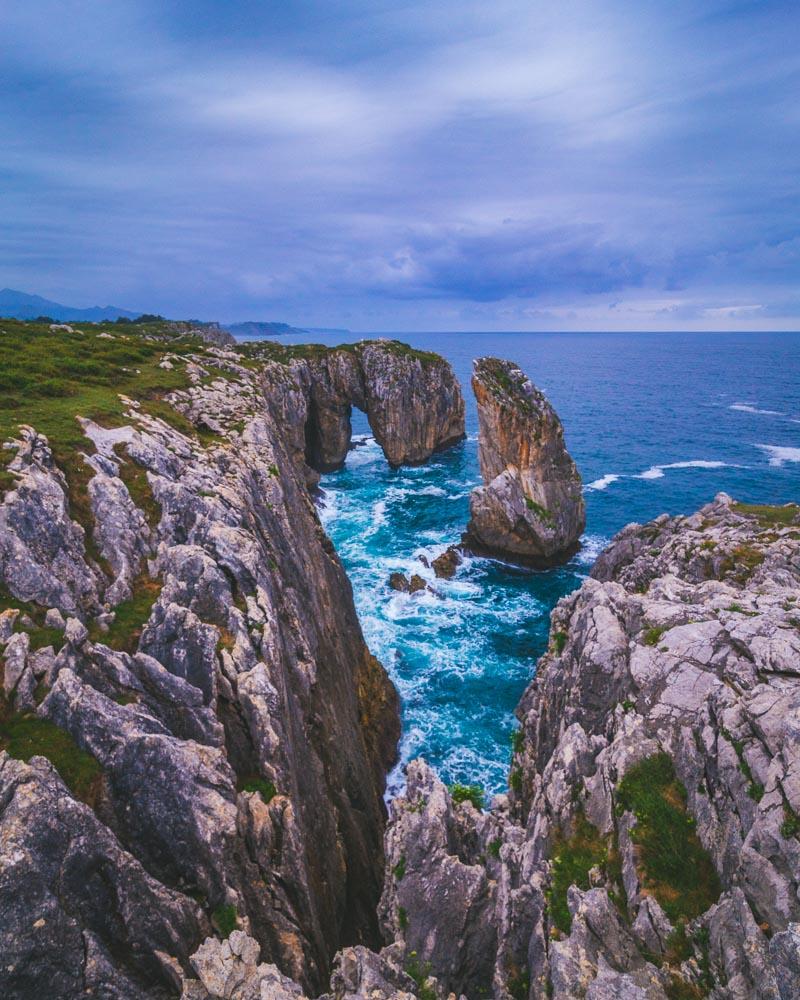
(223, 729)
(530, 509)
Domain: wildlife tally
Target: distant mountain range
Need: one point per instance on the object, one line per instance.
(20, 305)
(253, 328)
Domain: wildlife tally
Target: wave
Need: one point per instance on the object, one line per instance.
(657, 471)
(604, 481)
(780, 454)
(749, 408)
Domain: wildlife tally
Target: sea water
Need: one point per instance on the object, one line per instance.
(655, 422)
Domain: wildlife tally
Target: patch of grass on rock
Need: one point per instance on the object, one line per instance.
(674, 867)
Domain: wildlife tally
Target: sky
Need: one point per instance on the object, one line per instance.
(390, 166)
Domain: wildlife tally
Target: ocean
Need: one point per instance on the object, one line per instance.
(655, 422)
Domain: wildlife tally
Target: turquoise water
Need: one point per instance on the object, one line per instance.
(656, 422)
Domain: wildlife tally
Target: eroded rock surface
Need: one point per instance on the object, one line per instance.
(530, 509)
(205, 652)
(411, 398)
(675, 666)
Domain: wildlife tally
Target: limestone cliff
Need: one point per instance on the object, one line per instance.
(411, 398)
(180, 639)
(650, 843)
(530, 509)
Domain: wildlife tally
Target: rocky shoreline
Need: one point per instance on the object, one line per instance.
(207, 735)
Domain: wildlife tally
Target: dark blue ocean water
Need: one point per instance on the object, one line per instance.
(655, 422)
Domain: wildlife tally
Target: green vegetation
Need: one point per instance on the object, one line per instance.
(515, 780)
(519, 984)
(255, 783)
(399, 869)
(674, 867)
(790, 827)
(741, 562)
(494, 847)
(559, 641)
(138, 485)
(653, 634)
(50, 377)
(24, 736)
(518, 740)
(541, 512)
(402, 918)
(41, 636)
(769, 516)
(572, 860)
(467, 793)
(755, 789)
(420, 972)
(225, 919)
(131, 617)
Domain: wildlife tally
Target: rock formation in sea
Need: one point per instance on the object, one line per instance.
(530, 508)
(411, 398)
(179, 637)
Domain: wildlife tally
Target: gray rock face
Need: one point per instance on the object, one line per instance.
(684, 643)
(243, 729)
(530, 509)
(411, 398)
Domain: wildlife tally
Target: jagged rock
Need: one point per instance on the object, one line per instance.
(437, 899)
(54, 619)
(42, 555)
(530, 509)
(229, 970)
(411, 398)
(406, 585)
(682, 643)
(445, 565)
(72, 897)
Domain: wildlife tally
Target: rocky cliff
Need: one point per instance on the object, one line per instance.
(197, 736)
(411, 398)
(648, 846)
(530, 509)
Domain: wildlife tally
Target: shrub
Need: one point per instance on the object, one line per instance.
(559, 642)
(653, 634)
(255, 783)
(225, 919)
(572, 860)
(467, 793)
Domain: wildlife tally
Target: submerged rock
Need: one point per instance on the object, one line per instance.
(530, 509)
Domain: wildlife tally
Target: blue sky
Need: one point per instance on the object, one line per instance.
(407, 166)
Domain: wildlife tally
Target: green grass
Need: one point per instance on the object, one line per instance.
(541, 512)
(768, 515)
(399, 869)
(24, 736)
(790, 827)
(494, 847)
(559, 641)
(49, 378)
(467, 793)
(255, 783)
(131, 617)
(674, 867)
(138, 485)
(653, 634)
(515, 780)
(225, 919)
(40, 635)
(572, 859)
(420, 972)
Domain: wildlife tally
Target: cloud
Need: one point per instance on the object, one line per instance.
(503, 164)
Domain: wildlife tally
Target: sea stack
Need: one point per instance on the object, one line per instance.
(530, 509)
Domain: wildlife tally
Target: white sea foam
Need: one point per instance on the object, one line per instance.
(749, 408)
(657, 471)
(780, 454)
(591, 547)
(604, 481)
